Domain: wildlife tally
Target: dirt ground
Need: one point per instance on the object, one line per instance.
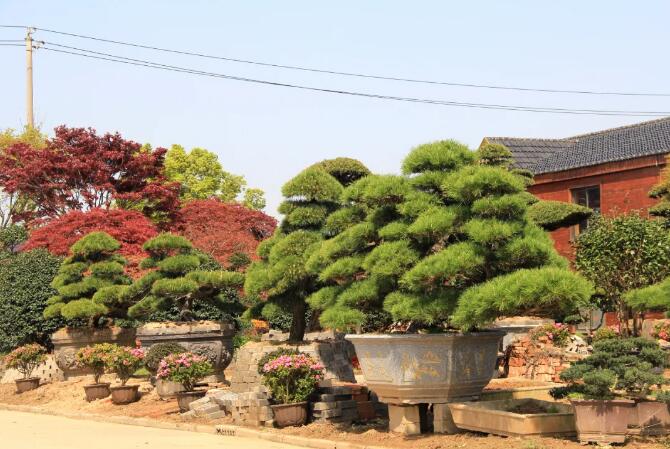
(70, 396)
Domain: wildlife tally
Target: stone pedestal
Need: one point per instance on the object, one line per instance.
(67, 341)
(405, 419)
(211, 339)
(443, 422)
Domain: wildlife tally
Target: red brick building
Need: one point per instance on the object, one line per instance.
(610, 171)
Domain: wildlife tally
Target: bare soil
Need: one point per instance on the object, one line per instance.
(70, 396)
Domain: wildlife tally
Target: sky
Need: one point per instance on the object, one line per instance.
(268, 134)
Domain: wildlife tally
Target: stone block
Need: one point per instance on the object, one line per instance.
(206, 410)
(366, 411)
(217, 415)
(404, 419)
(346, 404)
(318, 406)
(443, 422)
(332, 413)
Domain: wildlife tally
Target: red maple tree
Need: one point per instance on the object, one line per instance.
(130, 228)
(79, 170)
(223, 229)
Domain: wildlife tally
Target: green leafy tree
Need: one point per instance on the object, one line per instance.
(179, 278)
(83, 279)
(620, 254)
(280, 277)
(448, 244)
(25, 280)
(201, 176)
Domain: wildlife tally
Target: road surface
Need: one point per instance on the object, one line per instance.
(20, 430)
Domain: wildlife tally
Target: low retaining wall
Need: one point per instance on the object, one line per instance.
(47, 372)
(329, 349)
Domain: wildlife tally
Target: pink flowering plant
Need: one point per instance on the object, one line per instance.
(292, 377)
(185, 368)
(124, 361)
(26, 358)
(95, 358)
(662, 330)
(558, 334)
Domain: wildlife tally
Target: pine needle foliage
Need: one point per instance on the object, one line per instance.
(312, 210)
(84, 279)
(448, 244)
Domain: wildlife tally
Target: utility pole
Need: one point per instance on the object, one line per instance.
(30, 121)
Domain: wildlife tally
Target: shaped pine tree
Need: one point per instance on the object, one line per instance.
(177, 279)
(447, 244)
(92, 267)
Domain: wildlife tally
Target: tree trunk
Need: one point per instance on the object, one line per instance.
(298, 322)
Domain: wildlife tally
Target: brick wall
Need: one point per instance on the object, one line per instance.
(623, 187)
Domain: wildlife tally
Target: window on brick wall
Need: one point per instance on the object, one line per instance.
(589, 197)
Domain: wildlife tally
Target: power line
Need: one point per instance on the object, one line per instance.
(144, 63)
(350, 74)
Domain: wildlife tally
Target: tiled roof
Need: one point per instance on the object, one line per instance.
(610, 145)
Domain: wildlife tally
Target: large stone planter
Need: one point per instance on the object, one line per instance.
(601, 421)
(67, 341)
(649, 418)
(501, 418)
(427, 368)
(212, 339)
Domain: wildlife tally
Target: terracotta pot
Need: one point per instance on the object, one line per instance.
(167, 389)
(23, 385)
(97, 391)
(649, 418)
(184, 398)
(427, 368)
(124, 394)
(286, 415)
(602, 421)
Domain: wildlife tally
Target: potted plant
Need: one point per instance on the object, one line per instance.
(95, 359)
(124, 361)
(179, 280)
(155, 354)
(25, 359)
(186, 369)
(86, 295)
(444, 251)
(610, 387)
(291, 378)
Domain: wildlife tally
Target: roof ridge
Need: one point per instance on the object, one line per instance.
(545, 139)
(617, 128)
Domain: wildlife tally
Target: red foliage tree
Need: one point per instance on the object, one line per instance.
(79, 170)
(130, 228)
(223, 229)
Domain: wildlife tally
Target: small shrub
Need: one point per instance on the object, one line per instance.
(124, 361)
(185, 368)
(26, 358)
(95, 358)
(557, 334)
(605, 333)
(273, 355)
(662, 330)
(158, 352)
(292, 378)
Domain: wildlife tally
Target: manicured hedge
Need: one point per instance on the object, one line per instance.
(25, 280)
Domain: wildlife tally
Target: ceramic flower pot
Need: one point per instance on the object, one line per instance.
(124, 394)
(427, 368)
(97, 391)
(286, 415)
(603, 421)
(185, 398)
(23, 385)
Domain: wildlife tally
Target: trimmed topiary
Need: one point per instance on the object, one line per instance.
(312, 199)
(158, 352)
(551, 215)
(447, 245)
(84, 281)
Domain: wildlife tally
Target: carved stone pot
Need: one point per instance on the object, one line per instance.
(212, 339)
(67, 341)
(427, 368)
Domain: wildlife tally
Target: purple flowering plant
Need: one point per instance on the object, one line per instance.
(185, 368)
(26, 358)
(292, 378)
(124, 361)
